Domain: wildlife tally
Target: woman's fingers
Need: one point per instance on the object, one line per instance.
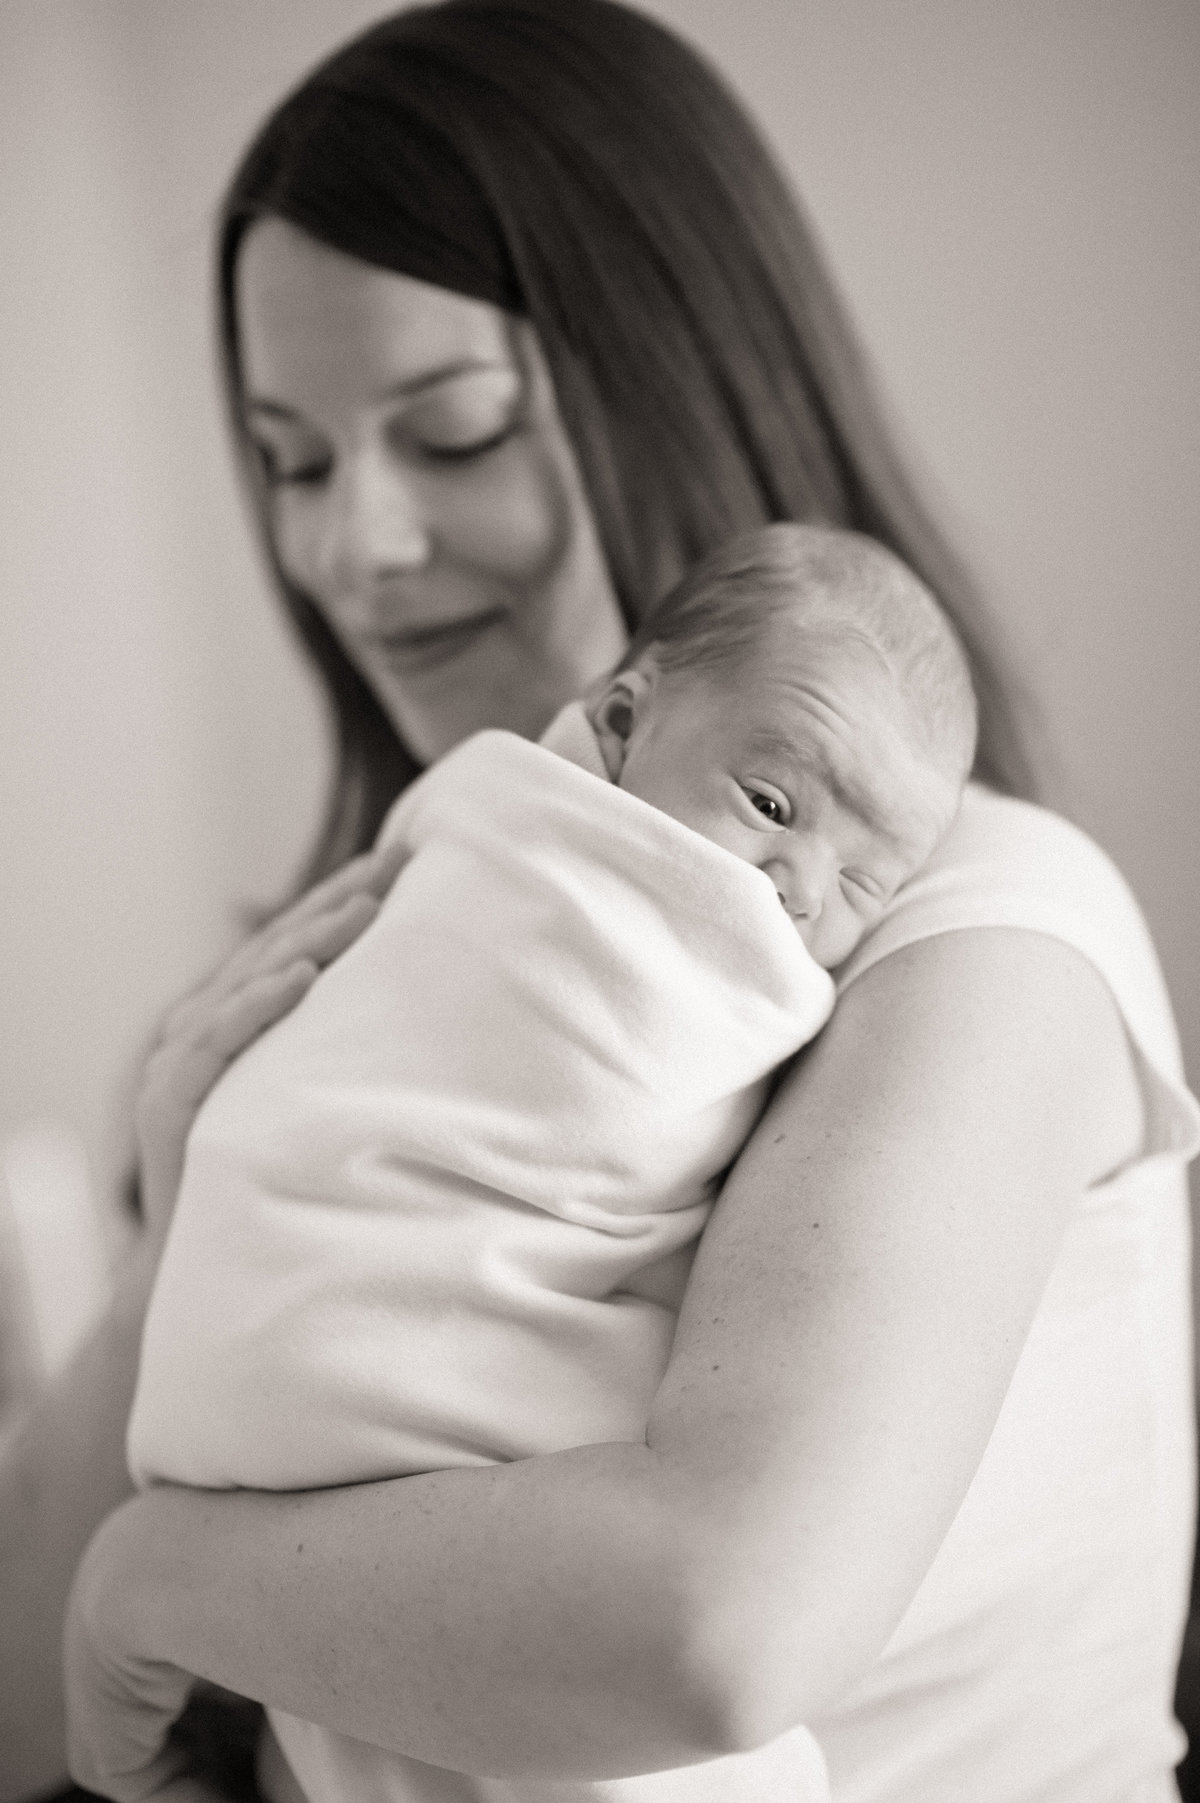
(211, 1026)
(372, 874)
(324, 936)
(183, 1069)
(119, 1714)
(374, 871)
(316, 938)
(239, 1020)
(190, 1063)
(319, 926)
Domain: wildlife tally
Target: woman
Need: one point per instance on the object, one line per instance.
(519, 319)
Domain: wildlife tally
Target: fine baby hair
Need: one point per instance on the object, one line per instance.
(845, 591)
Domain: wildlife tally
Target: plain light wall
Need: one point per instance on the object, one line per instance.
(1010, 196)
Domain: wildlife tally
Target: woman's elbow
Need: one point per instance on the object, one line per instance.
(752, 1666)
(735, 1703)
(694, 1681)
(722, 1635)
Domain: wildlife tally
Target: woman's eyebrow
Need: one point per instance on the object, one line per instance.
(446, 372)
(272, 409)
(401, 390)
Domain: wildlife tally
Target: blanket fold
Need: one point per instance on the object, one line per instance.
(443, 1212)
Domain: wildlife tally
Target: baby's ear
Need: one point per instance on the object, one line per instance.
(613, 712)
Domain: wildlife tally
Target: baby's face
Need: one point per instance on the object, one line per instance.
(803, 767)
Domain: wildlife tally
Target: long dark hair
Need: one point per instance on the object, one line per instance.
(573, 161)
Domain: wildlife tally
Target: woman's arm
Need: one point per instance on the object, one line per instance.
(857, 1307)
(61, 1477)
(66, 1470)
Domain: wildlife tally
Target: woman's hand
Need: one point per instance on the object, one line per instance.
(120, 1709)
(264, 979)
(124, 1708)
(858, 1304)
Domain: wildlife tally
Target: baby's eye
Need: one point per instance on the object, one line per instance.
(772, 807)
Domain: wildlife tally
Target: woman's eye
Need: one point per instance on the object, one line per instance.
(464, 417)
(463, 453)
(770, 806)
(280, 469)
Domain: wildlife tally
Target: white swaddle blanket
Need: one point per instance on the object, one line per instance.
(442, 1214)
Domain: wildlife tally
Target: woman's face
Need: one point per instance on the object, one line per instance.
(422, 490)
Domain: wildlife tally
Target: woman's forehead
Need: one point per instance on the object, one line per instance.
(313, 320)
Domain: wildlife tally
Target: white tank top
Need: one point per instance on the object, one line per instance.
(1037, 1662)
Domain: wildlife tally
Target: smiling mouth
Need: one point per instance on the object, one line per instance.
(425, 647)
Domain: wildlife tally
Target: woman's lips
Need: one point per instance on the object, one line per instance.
(424, 647)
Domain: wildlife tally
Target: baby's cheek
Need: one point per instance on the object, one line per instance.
(838, 932)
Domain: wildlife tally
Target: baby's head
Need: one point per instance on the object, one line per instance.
(800, 699)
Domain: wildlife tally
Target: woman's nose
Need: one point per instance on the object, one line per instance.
(376, 526)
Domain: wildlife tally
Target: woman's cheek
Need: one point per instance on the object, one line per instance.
(517, 524)
(295, 529)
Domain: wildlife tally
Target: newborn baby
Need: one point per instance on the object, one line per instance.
(443, 1213)
(799, 700)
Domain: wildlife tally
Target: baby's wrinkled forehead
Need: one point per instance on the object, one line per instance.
(889, 797)
(857, 674)
(840, 727)
(898, 657)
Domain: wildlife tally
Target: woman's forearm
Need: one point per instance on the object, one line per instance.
(63, 1473)
(857, 1307)
(529, 1619)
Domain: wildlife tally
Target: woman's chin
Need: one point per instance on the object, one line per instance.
(449, 711)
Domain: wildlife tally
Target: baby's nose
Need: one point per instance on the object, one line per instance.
(802, 880)
(804, 903)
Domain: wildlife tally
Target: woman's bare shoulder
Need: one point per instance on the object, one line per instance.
(1010, 863)
(1009, 870)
